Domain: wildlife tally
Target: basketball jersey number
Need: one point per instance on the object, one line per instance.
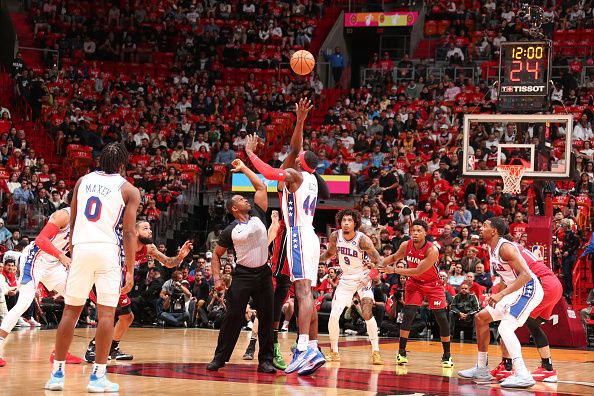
(346, 259)
(93, 209)
(310, 208)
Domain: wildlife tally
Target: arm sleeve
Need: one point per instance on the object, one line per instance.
(44, 242)
(268, 171)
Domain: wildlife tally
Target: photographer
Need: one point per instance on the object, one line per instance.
(175, 294)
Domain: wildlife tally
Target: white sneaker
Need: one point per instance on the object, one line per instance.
(34, 323)
(22, 323)
(350, 332)
(518, 381)
(479, 373)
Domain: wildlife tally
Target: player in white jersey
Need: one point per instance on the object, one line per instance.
(512, 305)
(103, 219)
(351, 246)
(300, 195)
(43, 260)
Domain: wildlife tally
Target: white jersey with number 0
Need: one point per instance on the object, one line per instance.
(100, 207)
(350, 257)
(299, 207)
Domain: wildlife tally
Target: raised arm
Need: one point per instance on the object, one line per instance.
(430, 259)
(301, 109)
(261, 195)
(331, 251)
(366, 245)
(169, 262)
(288, 175)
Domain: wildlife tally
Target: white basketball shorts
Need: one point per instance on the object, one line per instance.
(98, 264)
(346, 289)
(34, 267)
(303, 253)
(518, 304)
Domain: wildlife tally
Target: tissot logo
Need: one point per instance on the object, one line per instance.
(523, 88)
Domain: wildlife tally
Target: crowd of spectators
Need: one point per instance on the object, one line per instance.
(399, 141)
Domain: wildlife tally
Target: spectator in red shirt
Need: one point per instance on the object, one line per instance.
(329, 283)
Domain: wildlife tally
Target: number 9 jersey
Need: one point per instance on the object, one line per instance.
(100, 208)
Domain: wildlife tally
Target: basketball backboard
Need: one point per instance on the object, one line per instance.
(541, 143)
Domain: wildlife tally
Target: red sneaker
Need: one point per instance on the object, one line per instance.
(70, 359)
(2, 362)
(500, 373)
(544, 375)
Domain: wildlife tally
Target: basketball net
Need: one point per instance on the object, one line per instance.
(512, 176)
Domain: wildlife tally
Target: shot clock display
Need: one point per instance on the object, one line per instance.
(524, 69)
(524, 75)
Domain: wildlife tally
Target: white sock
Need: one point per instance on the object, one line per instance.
(99, 369)
(302, 342)
(372, 331)
(483, 360)
(59, 366)
(520, 367)
(334, 329)
(313, 344)
(285, 324)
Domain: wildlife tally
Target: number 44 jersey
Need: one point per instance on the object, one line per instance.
(299, 207)
(100, 208)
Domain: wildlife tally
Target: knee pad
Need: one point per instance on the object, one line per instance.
(408, 316)
(539, 336)
(441, 317)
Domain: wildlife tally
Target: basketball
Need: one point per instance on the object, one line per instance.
(302, 62)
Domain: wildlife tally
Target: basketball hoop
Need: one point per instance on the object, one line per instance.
(512, 176)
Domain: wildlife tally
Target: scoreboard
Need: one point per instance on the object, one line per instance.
(524, 77)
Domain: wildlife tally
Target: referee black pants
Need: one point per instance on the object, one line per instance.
(257, 284)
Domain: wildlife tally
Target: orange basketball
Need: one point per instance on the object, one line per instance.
(302, 62)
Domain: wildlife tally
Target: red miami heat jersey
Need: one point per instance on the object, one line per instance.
(536, 265)
(414, 258)
(140, 256)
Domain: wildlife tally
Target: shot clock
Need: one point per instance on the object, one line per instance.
(524, 75)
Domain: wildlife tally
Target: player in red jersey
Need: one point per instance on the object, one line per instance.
(423, 282)
(553, 291)
(124, 315)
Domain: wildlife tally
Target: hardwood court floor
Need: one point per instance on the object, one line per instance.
(173, 362)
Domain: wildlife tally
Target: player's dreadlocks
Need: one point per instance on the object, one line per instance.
(113, 156)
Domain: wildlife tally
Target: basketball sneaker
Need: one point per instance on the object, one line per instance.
(34, 323)
(478, 373)
(56, 382)
(70, 359)
(401, 359)
(278, 361)
(300, 358)
(518, 381)
(376, 358)
(101, 385)
(500, 373)
(540, 374)
(314, 362)
(447, 363)
(249, 352)
(90, 353)
(116, 354)
(2, 362)
(333, 356)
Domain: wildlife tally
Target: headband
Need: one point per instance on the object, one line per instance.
(304, 165)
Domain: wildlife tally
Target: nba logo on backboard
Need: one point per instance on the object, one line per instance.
(507, 89)
(538, 252)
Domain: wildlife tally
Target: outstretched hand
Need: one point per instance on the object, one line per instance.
(185, 249)
(238, 165)
(274, 217)
(302, 108)
(251, 143)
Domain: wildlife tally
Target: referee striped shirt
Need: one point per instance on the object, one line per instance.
(248, 239)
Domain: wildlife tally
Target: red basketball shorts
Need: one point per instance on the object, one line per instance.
(553, 291)
(414, 294)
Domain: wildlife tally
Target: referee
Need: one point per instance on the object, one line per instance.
(247, 236)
